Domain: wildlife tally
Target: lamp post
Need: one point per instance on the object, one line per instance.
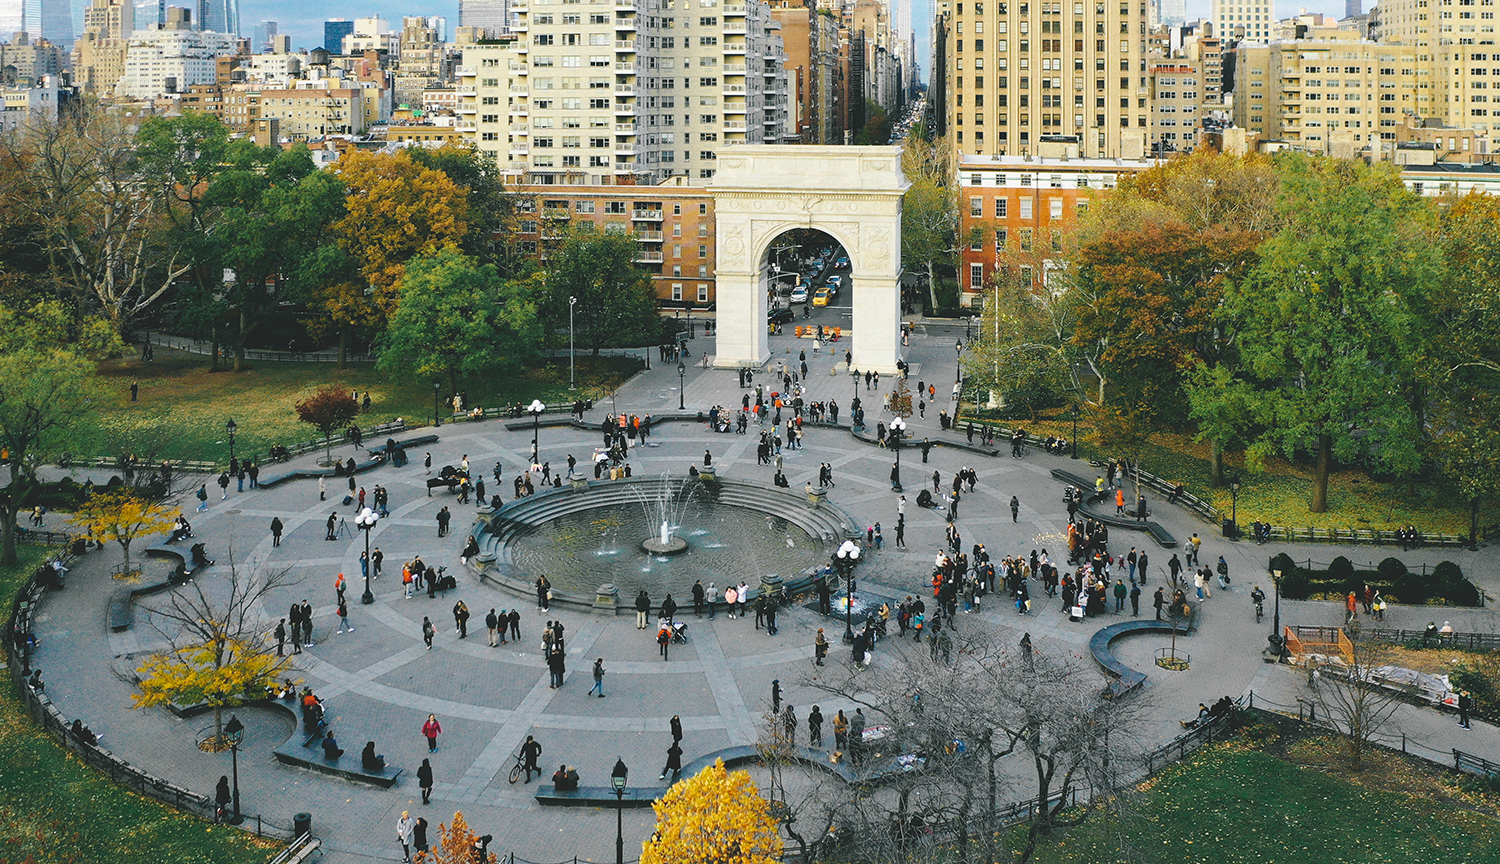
(617, 779)
(1232, 529)
(854, 374)
(437, 387)
(230, 427)
(958, 351)
(845, 559)
(535, 409)
(572, 301)
(234, 732)
(1075, 431)
(681, 384)
(1275, 638)
(898, 426)
(365, 520)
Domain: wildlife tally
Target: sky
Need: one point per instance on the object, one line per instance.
(304, 21)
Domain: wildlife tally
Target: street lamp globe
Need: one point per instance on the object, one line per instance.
(365, 521)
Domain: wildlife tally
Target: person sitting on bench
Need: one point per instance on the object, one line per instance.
(368, 760)
(84, 734)
(200, 557)
(331, 749)
(565, 779)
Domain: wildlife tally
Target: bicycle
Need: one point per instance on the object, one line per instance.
(516, 769)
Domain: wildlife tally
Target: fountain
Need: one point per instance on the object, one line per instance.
(664, 507)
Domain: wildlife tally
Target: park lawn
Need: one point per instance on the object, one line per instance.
(1232, 804)
(183, 407)
(53, 808)
(1280, 494)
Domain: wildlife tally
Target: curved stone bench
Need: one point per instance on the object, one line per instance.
(1161, 535)
(867, 435)
(635, 798)
(1127, 679)
(346, 766)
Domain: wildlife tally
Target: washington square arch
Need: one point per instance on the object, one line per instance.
(852, 194)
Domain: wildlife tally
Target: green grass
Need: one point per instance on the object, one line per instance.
(1232, 805)
(1280, 494)
(53, 808)
(183, 406)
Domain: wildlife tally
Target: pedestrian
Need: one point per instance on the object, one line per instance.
(674, 762)
(222, 797)
(515, 625)
(598, 679)
(776, 696)
(1351, 609)
(1159, 601)
(202, 495)
(789, 725)
(307, 625)
(676, 728)
(442, 522)
(276, 528)
(223, 486)
(343, 612)
(491, 621)
(135, 391)
(543, 593)
(815, 727)
(431, 730)
(419, 837)
(1120, 594)
(642, 610)
(427, 464)
(1135, 600)
(332, 526)
(461, 619)
(322, 489)
(744, 594)
(901, 533)
(820, 648)
(404, 827)
(427, 631)
(424, 780)
(1465, 704)
(557, 664)
(530, 752)
(663, 638)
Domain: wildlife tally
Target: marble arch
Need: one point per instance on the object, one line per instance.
(851, 193)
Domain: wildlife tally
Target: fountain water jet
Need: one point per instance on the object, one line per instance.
(667, 503)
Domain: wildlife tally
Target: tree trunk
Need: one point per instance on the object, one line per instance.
(343, 347)
(125, 546)
(8, 535)
(1473, 522)
(1320, 475)
(931, 289)
(239, 347)
(1216, 462)
(219, 722)
(213, 353)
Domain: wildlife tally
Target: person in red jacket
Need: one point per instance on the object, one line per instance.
(431, 729)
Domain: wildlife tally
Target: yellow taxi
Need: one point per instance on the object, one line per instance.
(822, 297)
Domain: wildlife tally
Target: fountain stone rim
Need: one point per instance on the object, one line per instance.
(674, 545)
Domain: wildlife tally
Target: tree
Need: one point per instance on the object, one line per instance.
(717, 817)
(901, 404)
(1348, 694)
(329, 408)
(929, 211)
(494, 213)
(458, 317)
(457, 844)
(1024, 339)
(220, 651)
(396, 210)
(616, 301)
(45, 391)
(123, 516)
(1327, 320)
(108, 239)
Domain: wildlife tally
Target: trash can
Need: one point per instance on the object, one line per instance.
(1231, 530)
(302, 824)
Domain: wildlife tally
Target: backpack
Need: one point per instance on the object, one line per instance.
(916, 622)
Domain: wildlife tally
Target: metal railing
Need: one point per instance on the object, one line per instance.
(1471, 764)
(45, 713)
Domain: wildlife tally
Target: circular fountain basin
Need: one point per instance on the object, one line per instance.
(672, 546)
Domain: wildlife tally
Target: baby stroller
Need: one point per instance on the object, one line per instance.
(679, 631)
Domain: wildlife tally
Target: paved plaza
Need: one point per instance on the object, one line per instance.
(380, 682)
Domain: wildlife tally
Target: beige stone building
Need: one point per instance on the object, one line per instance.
(1019, 73)
(1177, 104)
(99, 54)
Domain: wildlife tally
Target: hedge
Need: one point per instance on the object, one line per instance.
(1445, 582)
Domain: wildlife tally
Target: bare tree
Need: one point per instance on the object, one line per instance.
(220, 650)
(1346, 690)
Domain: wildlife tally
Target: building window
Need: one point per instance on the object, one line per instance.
(1054, 207)
(677, 291)
(976, 207)
(976, 277)
(702, 293)
(1001, 206)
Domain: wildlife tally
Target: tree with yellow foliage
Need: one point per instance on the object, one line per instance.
(458, 844)
(220, 651)
(396, 210)
(123, 516)
(717, 817)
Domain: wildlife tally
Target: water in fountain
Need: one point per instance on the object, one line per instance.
(664, 503)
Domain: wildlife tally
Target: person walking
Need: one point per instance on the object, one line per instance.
(343, 612)
(491, 621)
(1159, 600)
(322, 489)
(663, 639)
(431, 730)
(815, 727)
(222, 797)
(276, 528)
(223, 485)
(424, 780)
(419, 837)
(1015, 509)
(776, 696)
(789, 725)
(674, 762)
(281, 638)
(202, 495)
(820, 648)
(676, 725)
(598, 679)
(404, 827)
(427, 631)
(530, 752)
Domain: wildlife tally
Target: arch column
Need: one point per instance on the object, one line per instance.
(851, 193)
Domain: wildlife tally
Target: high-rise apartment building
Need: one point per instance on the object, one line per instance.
(813, 71)
(1071, 72)
(334, 31)
(493, 15)
(627, 91)
(1242, 20)
(219, 16)
(99, 54)
(49, 19)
